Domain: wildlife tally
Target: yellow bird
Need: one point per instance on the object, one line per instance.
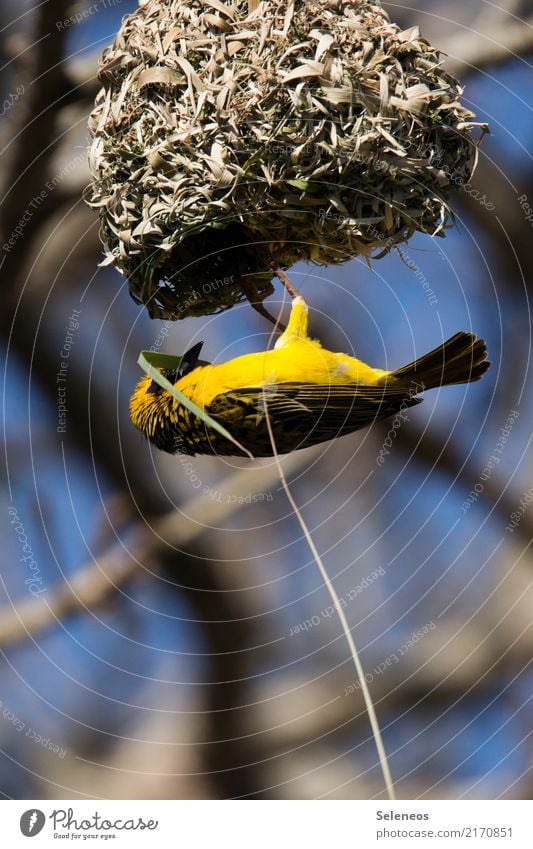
(309, 394)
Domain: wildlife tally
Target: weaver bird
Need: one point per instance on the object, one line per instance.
(309, 394)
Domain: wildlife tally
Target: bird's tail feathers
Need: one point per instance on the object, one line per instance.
(462, 359)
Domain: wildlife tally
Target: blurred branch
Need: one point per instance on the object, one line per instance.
(38, 267)
(88, 587)
(231, 759)
(94, 582)
(228, 631)
(506, 229)
(57, 242)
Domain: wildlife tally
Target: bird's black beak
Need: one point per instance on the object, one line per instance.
(189, 361)
(187, 364)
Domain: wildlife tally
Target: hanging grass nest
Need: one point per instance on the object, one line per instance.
(231, 137)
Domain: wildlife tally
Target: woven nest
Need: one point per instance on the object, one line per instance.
(228, 139)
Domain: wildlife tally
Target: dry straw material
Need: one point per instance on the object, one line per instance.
(231, 137)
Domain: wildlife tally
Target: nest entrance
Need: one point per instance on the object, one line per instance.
(209, 272)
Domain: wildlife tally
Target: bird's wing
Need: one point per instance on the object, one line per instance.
(313, 411)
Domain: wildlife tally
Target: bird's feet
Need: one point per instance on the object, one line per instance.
(290, 287)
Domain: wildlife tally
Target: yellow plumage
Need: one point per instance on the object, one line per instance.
(309, 393)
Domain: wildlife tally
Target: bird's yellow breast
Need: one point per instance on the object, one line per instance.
(298, 360)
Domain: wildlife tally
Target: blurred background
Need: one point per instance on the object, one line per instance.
(164, 632)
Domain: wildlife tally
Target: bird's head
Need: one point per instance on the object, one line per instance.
(154, 411)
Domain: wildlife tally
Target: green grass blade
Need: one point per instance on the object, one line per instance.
(160, 360)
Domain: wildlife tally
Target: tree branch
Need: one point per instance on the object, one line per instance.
(471, 52)
(28, 154)
(426, 448)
